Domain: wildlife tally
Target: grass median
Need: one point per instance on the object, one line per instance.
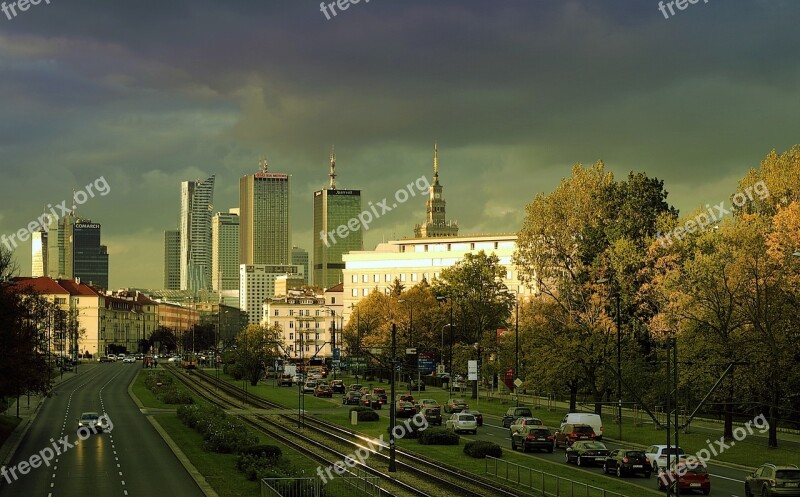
(7, 426)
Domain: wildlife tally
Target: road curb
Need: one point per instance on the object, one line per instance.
(198, 478)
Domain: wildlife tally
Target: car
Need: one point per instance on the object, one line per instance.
(586, 452)
(352, 399)
(770, 480)
(524, 421)
(121, 357)
(322, 390)
(373, 401)
(298, 379)
(92, 421)
(433, 415)
(405, 409)
(532, 437)
(338, 386)
(627, 462)
(129, 360)
(175, 358)
(693, 477)
(105, 358)
(355, 387)
(569, 434)
(428, 403)
(478, 415)
(381, 393)
(459, 422)
(309, 386)
(455, 405)
(658, 455)
(585, 418)
(285, 380)
(406, 397)
(416, 385)
(514, 413)
(139, 357)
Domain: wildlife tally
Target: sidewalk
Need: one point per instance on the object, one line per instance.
(28, 409)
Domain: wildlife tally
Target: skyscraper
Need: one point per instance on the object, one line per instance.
(264, 218)
(172, 260)
(225, 250)
(74, 251)
(436, 225)
(197, 198)
(39, 254)
(300, 258)
(56, 241)
(334, 208)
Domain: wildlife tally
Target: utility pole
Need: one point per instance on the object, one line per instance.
(392, 414)
(516, 340)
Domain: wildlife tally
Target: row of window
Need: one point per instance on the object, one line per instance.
(300, 324)
(387, 278)
(307, 337)
(304, 312)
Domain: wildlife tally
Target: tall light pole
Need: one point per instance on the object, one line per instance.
(392, 413)
(358, 338)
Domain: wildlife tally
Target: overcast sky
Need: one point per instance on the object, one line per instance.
(150, 93)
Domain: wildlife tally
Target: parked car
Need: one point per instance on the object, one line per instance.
(309, 386)
(286, 380)
(455, 405)
(416, 385)
(569, 434)
(627, 462)
(405, 409)
(351, 398)
(658, 455)
(372, 401)
(381, 393)
(585, 418)
(432, 414)
(338, 386)
(770, 479)
(524, 421)
(586, 452)
(532, 437)
(514, 413)
(106, 358)
(459, 422)
(478, 415)
(323, 390)
(693, 477)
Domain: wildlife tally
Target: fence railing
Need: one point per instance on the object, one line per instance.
(545, 484)
(351, 484)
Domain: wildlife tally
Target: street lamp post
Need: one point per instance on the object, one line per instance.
(619, 357)
(516, 348)
(392, 414)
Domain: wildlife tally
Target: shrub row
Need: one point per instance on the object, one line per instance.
(482, 448)
(438, 436)
(221, 433)
(162, 384)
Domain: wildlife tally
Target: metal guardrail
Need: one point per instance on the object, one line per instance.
(348, 485)
(545, 483)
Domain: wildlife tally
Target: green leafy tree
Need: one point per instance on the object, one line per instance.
(257, 346)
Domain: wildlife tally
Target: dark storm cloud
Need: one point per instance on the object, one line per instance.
(151, 93)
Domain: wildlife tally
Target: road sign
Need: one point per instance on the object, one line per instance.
(472, 370)
(517, 383)
(337, 354)
(411, 351)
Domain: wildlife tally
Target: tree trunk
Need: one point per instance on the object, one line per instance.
(773, 423)
(573, 397)
(728, 428)
(598, 402)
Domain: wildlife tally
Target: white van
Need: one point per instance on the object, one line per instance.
(585, 418)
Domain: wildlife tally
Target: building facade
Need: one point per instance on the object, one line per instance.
(265, 222)
(225, 251)
(197, 198)
(257, 282)
(74, 251)
(304, 321)
(39, 254)
(172, 260)
(436, 224)
(300, 258)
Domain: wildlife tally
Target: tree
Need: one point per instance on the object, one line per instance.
(256, 347)
(163, 340)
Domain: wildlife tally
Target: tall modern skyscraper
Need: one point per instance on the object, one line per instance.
(264, 218)
(74, 251)
(197, 198)
(172, 260)
(334, 208)
(225, 250)
(300, 258)
(436, 225)
(39, 254)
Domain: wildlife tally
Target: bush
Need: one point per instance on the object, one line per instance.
(233, 369)
(262, 461)
(171, 395)
(268, 451)
(438, 436)
(365, 413)
(221, 433)
(153, 378)
(482, 448)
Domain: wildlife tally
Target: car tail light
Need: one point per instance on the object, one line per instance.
(550, 437)
(589, 452)
(624, 459)
(646, 459)
(531, 437)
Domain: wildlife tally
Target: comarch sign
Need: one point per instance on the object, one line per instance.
(92, 226)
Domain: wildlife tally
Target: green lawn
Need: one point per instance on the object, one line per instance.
(7, 425)
(148, 399)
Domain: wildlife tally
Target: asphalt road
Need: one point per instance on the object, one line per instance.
(131, 459)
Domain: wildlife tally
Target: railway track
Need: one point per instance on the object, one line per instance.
(414, 476)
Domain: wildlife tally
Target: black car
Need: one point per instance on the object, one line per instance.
(405, 409)
(372, 401)
(416, 385)
(338, 386)
(515, 412)
(433, 415)
(532, 437)
(625, 462)
(381, 392)
(586, 452)
(477, 414)
(352, 399)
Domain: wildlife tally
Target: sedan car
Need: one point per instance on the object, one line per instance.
(92, 421)
(586, 452)
(323, 390)
(405, 409)
(478, 415)
(459, 422)
(338, 386)
(770, 479)
(455, 405)
(625, 461)
(309, 386)
(524, 421)
(514, 413)
(692, 477)
(355, 387)
(352, 399)
(428, 403)
(532, 437)
(571, 433)
(381, 392)
(373, 401)
(433, 415)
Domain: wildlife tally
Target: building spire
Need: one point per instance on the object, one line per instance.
(262, 165)
(333, 168)
(435, 163)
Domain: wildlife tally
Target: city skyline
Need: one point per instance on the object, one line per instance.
(514, 95)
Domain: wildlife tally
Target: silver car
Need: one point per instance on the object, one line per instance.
(92, 421)
(462, 422)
